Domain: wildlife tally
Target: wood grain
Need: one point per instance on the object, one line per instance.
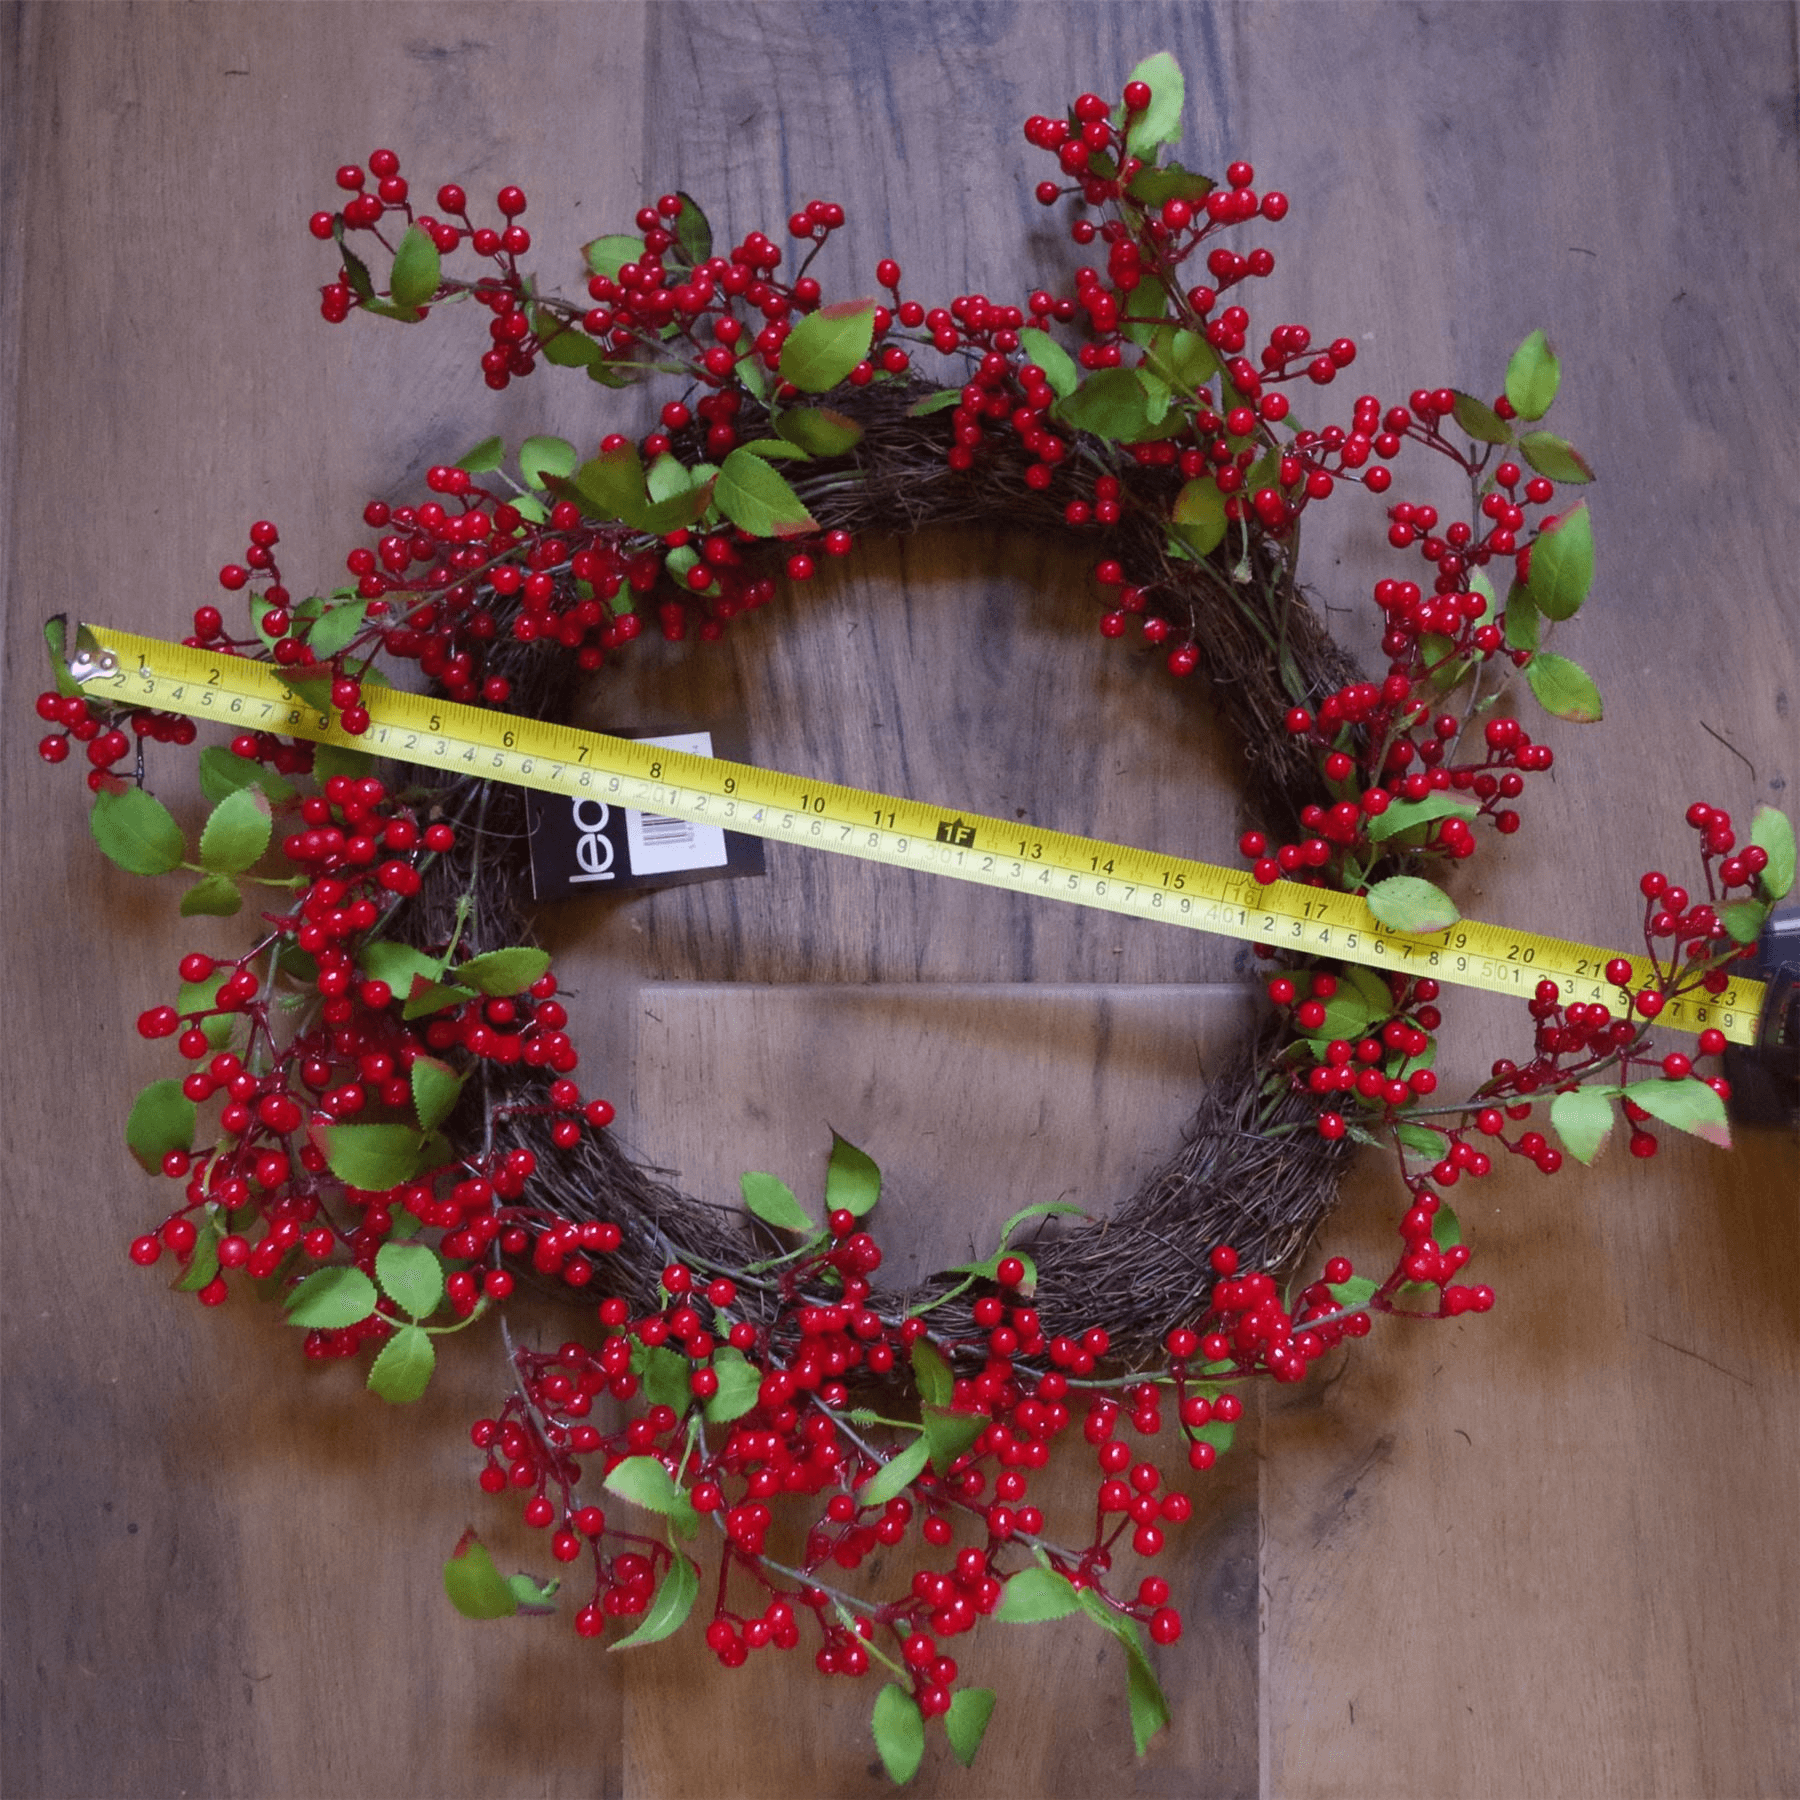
(1545, 1552)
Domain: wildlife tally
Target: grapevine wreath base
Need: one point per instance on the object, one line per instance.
(399, 1139)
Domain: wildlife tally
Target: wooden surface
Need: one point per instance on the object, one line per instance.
(1546, 1552)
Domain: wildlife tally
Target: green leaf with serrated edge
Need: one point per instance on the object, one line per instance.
(1373, 987)
(739, 1379)
(540, 456)
(386, 309)
(896, 1475)
(376, 1157)
(426, 997)
(1524, 624)
(899, 1729)
(1346, 1016)
(608, 255)
(1184, 359)
(1480, 420)
(668, 1611)
(1446, 1227)
(1113, 404)
(213, 897)
(609, 486)
(1744, 919)
(56, 641)
(1220, 1433)
(564, 342)
(402, 1370)
(1149, 1707)
(356, 271)
(948, 1435)
(1348, 1295)
(534, 1597)
(665, 478)
(162, 1119)
(337, 629)
(645, 1482)
(1583, 1120)
(485, 457)
(1562, 564)
(772, 1201)
(1402, 815)
(436, 1087)
(340, 759)
(1059, 366)
(931, 1373)
(1199, 515)
(1408, 903)
(1773, 833)
(203, 997)
(1688, 1104)
(529, 507)
(203, 1259)
(1532, 377)
(396, 964)
(852, 1181)
(1160, 122)
(222, 773)
(1159, 184)
(939, 402)
(1423, 1140)
(411, 1276)
(1564, 689)
(818, 430)
(776, 450)
(826, 345)
(1035, 1594)
(417, 268)
(1040, 1209)
(502, 973)
(474, 1586)
(966, 1723)
(678, 511)
(693, 235)
(1555, 457)
(758, 499)
(137, 832)
(662, 1376)
(330, 1299)
(236, 834)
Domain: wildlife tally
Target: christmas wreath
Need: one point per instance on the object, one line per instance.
(380, 1121)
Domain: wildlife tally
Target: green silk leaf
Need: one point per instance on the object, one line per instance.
(899, 1729)
(1480, 420)
(852, 1181)
(372, 1157)
(1402, 815)
(502, 973)
(1524, 624)
(966, 1723)
(1199, 515)
(1409, 903)
(1532, 377)
(162, 1119)
(1059, 367)
(645, 1482)
(330, 1299)
(818, 430)
(1583, 1120)
(1562, 564)
(1035, 1594)
(222, 773)
(949, 1434)
(896, 1475)
(1773, 833)
(826, 345)
(137, 832)
(1688, 1104)
(541, 456)
(1555, 457)
(336, 629)
(758, 499)
(474, 1586)
(485, 457)
(212, 896)
(608, 255)
(772, 1201)
(739, 1380)
(931, 1374)
(669, 1610)
(436, 1087)
(1160, 122)
(1564, 689)
(693, 234)
(411, 1276)
(417, 269)
(237, 833)
(402, 1370)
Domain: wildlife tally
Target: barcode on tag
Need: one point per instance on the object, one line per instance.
(661, 845)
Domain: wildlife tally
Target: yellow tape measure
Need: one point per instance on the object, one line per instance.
(1004, 853)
